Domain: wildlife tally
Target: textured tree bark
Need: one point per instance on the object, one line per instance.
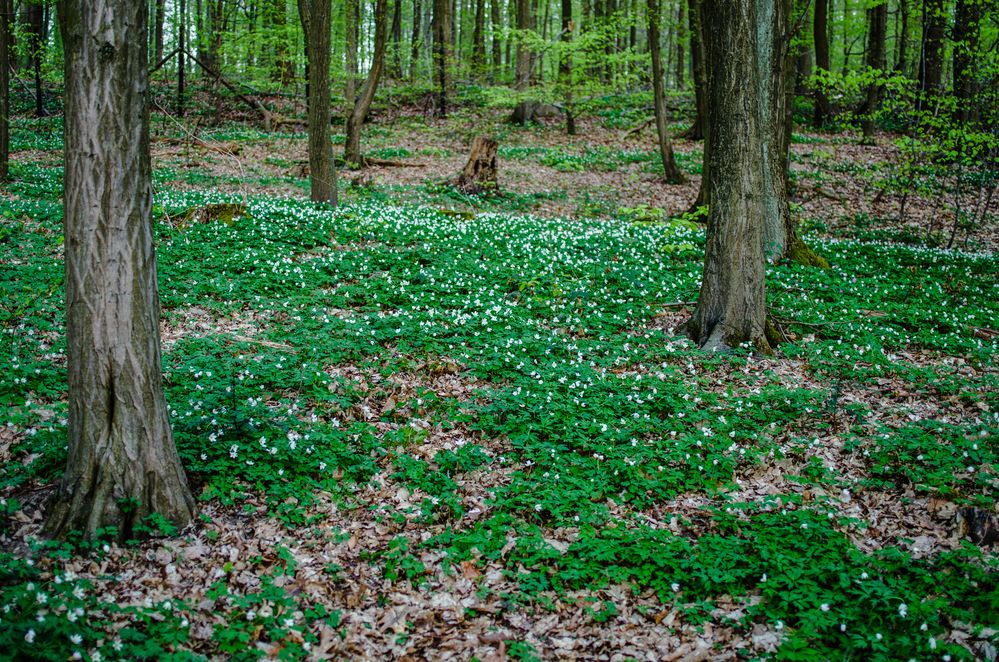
(480, 172)
(396, 59)
(479, 38)
(877, 29)
(122, 464)
(670, 169)
(316, 23)
(775, 59)
(6, 13)
(283, 70)
(355, 120)
(820, 19)
(731, 308)
(442, 53)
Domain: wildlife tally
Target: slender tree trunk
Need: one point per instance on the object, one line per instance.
(396, 60)
(414, 52)
(565, 67)
(479, 39)
(213, 38)
(522, 76)
(967, 20)
(931, 56)
(902, 45)
(681, 47)
(181, 54)
(158, 30)
(697, 65)
(442, 53)
(670, 169)
(731, 308)
(351, 26)
(6, 16)
(122, 464)
(496, 25)
(316, 23)
(820, 20)
(877, 28)
(34, 33)
(355, 120)
(283, 71)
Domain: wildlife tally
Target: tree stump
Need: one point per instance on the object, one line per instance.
(479, 174)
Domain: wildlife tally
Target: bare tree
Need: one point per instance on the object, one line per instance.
(122, 464)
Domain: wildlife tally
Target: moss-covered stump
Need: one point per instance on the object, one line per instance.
(800, 252)
(221, 212)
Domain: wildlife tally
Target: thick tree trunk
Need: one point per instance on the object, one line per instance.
(565, 67)
(6, 22)
(775, 60)
(442, 54)
(122, 464)
(820, 20)
(670, 169)
(877, 28)
(480, 172)
(931, 55)
(316, 23)
(731, 308)
(213, 40)
(355, 120)
(352, 10)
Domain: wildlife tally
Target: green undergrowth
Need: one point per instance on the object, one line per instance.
(288, 330)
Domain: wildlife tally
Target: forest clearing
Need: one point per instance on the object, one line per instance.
(419, 422)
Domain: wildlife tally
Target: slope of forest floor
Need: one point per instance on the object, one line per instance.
(429, 425)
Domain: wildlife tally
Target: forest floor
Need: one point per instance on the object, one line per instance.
(437, 426)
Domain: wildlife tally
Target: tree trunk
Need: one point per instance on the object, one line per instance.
(158, 22)
(34, 33)
(355, 120)
(731, 308)
(479, 173)
(525, 59)
(820, 20)
(681, 48)
(396, 58)
(122, 465)
(283, 71)
(351, 27)
(697, 65)
(496, 23)
(670, 169)
(902, 45)
(967, 20)
(931, 56)
(877, 28)
(442, 53)
(6, 14)
(479, 39)
(775, 59)
(414, 52)
(181, 54)
(316, 24)
(565, 67)
(213, 40)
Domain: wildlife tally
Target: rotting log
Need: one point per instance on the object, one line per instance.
(479, 174)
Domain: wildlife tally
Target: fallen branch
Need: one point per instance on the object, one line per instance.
(388, 163)
(829, 195)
